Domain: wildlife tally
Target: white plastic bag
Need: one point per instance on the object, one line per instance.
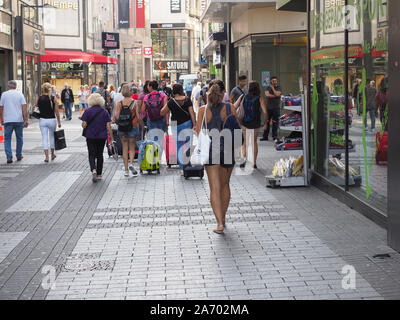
(201, 153)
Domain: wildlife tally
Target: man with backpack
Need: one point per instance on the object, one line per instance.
(153, 103)
(240, 89)
(106, 96)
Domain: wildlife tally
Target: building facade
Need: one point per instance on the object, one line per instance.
(176, 36)
(253, 38)
(352, 64)
(21, 44)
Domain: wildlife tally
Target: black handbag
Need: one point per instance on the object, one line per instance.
(60, 142)
(36, 113)
(89, 122)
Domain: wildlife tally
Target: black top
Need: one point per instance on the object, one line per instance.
(46, 107)
(180, 113)
(274, 103)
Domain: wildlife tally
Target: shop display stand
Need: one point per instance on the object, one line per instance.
(353, 180)
(275, 182)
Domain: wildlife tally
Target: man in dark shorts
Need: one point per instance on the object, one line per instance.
(273, 94)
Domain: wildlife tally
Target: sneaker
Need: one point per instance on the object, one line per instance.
(126, 174)
(264, 139)
(134, 172)
(94, 177)
(20, 158)
(9, 161)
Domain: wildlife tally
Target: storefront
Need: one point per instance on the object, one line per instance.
(61, 67)
(171, 53)
(6, 69)
(34, 45)
(353, 124)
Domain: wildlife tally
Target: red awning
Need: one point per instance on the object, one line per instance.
(99, 59)
(76, 57)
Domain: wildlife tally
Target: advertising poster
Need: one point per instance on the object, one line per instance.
(123, 14)
(265, 78)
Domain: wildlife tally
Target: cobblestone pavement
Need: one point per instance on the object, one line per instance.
(151, 237)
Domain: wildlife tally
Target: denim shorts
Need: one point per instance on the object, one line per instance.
(134, 133)
(83, 105)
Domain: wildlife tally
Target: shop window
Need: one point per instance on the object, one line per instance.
(367, 100)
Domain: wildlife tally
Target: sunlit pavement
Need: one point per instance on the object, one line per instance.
(63, 237)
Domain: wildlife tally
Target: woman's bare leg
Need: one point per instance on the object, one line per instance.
(215, 192)
(132, 146)
(125, 151)
(255, 145)
(244, 145)
(225, 177)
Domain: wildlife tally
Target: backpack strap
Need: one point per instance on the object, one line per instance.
(228, 109)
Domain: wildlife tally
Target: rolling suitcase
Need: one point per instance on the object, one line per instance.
(381, 147)
(170, 148)
(190, 171)
(151, 161)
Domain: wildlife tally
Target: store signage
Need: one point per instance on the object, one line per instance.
(216, 58)
(171, 65)
(124, 17)
(33, 40)
(137, 51)
(334, 3)
(167, 25)
(62, 4)
(148, 51)
(176, 6)
(36, 41)
(140, 14)
(62, 19)
(110, 41)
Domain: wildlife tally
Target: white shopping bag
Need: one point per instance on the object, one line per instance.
(201, 153)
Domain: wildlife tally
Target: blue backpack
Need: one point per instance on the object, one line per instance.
(231, 123)
(249, 108)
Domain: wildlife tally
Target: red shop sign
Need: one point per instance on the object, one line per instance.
(140, 14)
(148, 51)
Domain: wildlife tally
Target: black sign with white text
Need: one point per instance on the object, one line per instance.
(171, 65)
(110, 41)
(176, 6)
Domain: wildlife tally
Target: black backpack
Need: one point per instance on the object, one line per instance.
(125, 119)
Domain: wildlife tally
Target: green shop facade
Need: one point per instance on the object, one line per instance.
(353, 107)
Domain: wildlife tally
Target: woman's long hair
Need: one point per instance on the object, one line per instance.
(215, 96)
(254, 89)
(46, 89)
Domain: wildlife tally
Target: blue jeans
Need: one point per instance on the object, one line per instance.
(68, 109)
(371, 111)
(182, 144)
(9, 127)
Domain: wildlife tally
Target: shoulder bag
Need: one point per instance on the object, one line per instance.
(201, 154)
(181, 107)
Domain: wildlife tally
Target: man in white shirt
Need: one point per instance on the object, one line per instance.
(14, 117)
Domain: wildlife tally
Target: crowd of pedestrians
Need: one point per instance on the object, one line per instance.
(133, 113)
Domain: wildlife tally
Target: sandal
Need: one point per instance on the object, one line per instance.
(219, 230)
(53, 157)
(46, 161)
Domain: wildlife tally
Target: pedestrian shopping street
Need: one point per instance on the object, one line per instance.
(151, 237)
